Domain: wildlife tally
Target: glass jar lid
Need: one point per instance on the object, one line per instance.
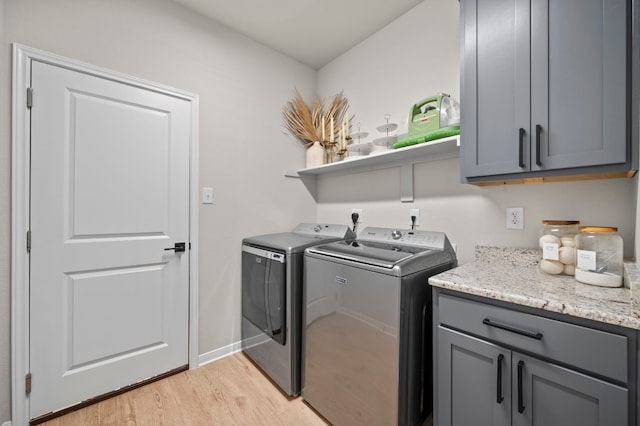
(560, 222)
(598, 229)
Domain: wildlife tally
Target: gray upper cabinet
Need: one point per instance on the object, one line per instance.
(545, 88)
(495, 75)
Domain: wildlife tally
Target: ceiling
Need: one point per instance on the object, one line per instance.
(312, 31)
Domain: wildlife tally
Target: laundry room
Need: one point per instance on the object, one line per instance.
(249, 176)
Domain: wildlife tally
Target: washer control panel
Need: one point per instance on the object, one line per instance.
(427, 239)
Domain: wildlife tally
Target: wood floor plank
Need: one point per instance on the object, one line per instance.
(230, 391)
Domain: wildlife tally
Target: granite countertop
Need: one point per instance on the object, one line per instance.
(512, 275)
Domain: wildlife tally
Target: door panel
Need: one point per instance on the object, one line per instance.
(98, 331)
(264, 292)
(109, 193)
(579, 82)
(552, 395)
(350, 351)
(495, 83)
(103, 199)
(468, 385)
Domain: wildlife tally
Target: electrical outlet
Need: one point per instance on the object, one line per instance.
(416, 213)
(359, 211)
(515, 218)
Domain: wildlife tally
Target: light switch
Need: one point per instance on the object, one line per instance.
(207, 195)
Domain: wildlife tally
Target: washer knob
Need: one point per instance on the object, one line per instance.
(317, 228)
(396, 235)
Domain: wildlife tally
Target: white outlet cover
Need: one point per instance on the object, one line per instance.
(515, 218)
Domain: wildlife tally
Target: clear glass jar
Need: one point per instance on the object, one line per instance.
(557, 241)
(599, 256)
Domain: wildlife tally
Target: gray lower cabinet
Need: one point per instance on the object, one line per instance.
(545, 88)
(483, 384)
(495, 367)
(546, 394)
(473, 378)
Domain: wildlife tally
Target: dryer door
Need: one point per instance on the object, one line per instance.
(264, 290)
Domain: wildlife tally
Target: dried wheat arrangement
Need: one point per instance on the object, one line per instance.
(306, 122)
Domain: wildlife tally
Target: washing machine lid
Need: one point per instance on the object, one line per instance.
(382, 255)
(401, 250)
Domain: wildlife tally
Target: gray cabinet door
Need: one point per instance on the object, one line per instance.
(495, 78)
(544, 85)
(469, 392)
(548, 395)
(578, 83)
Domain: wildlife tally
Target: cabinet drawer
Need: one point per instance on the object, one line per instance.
(592, 350)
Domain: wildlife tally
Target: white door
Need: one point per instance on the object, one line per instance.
(109, 194)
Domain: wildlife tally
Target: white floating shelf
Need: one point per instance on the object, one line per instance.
(404, 158)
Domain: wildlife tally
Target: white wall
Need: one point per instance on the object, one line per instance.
(243, 151)
(472, 215)
(386, 73)
(414, 57)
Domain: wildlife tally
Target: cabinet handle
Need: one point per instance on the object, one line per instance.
(538, 131)
(520, 397)
(537, 336)
(500, 398)
(521, 147)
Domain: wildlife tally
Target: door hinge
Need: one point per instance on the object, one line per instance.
(27, 383)
(29, 241)
(29, 97)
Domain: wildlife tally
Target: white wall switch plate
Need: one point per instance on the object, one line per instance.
(515, 218)
(207, 195)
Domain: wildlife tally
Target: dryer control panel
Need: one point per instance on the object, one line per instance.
(324, 230)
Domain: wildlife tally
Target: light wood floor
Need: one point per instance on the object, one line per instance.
(230, 391)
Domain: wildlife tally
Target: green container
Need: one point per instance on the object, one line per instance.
(424, 116)
(432, 118)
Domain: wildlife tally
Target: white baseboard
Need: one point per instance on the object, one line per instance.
(219, 353)
(231, 349)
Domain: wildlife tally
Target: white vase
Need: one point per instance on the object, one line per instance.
(315, 155)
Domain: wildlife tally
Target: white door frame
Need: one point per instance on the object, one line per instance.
(20, 208)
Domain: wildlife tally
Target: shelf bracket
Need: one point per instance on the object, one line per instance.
(406, 183)
(291, 174)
